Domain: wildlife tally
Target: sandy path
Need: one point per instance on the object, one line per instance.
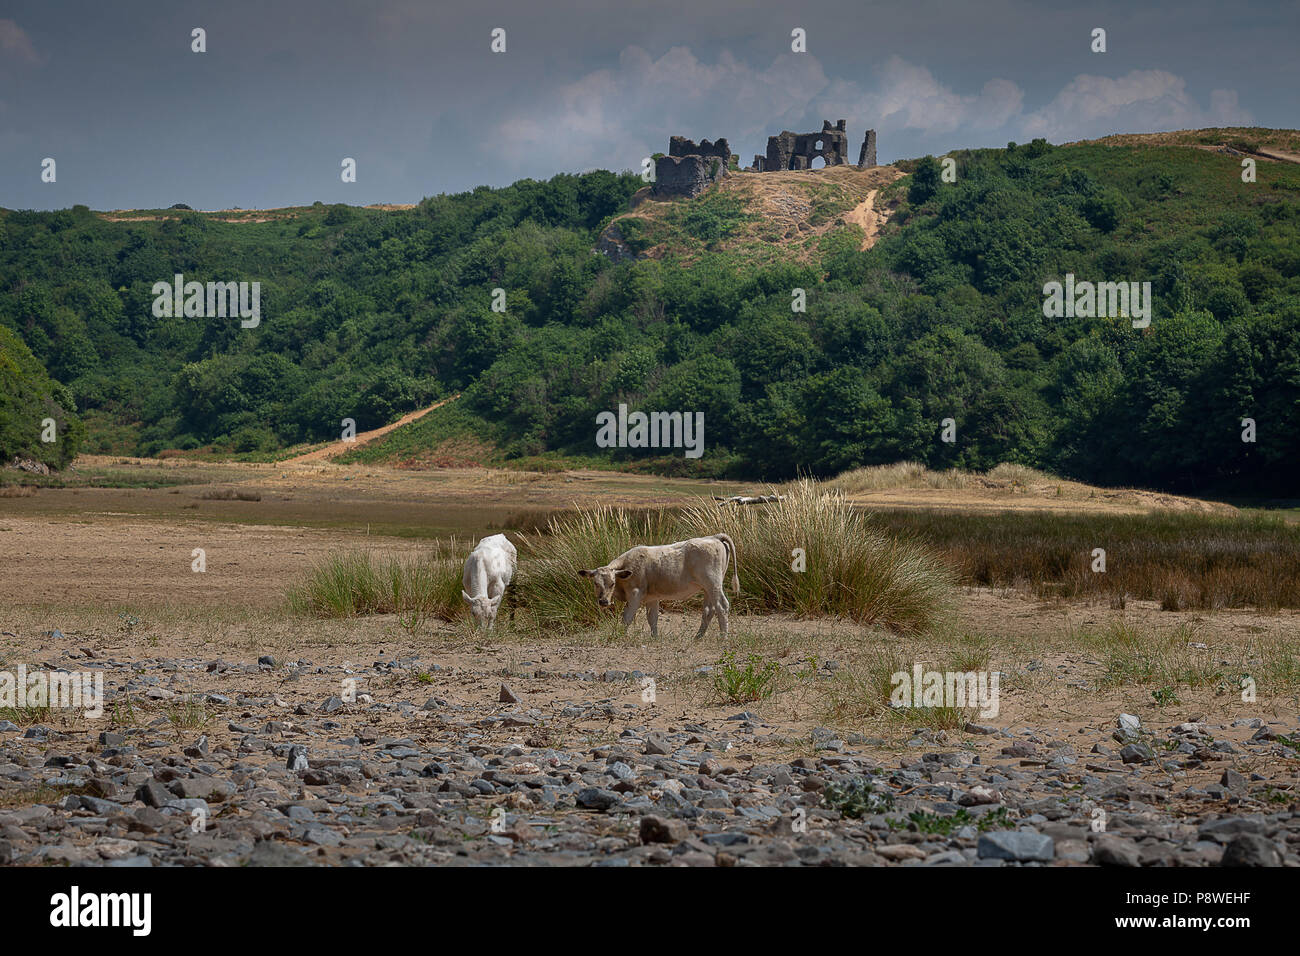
(864, 215)
(339, 447)
(1279, 154)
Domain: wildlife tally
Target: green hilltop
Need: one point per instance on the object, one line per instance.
(370, 313)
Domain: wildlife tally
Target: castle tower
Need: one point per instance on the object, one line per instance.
(867, 155)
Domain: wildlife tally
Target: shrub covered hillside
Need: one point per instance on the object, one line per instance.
(33, 408)
(368, 313)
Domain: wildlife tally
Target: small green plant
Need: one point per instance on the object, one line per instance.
(858, 797)
(923, 821)
(926, 822)
(25, 716)
(188, 713)
(1164, 696)
(737, 684)
(999, 819)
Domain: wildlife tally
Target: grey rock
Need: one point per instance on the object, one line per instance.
(1018, 845)
(1251, 849)
(1114, 851)
(656, 829)
(595, 798)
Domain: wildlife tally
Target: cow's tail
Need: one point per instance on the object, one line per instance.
(734, 558)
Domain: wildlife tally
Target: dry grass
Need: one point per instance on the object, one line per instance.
(849, 568)
(230, 494)
(902, 474)
(351, 583)
(1182, 560)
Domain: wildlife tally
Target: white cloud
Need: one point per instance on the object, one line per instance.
(908, 96)
(1140, 101)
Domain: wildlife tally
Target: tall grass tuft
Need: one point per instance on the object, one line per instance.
(850, 569)
(350, 583)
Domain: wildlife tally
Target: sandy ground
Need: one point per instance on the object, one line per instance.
(871, 219)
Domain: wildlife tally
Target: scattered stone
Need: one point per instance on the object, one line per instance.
(1251, 849)
(1114, 851)
(1017, 845)
(656, 829)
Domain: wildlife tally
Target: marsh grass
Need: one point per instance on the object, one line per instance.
(351, 583)
(1180, 657)
(864, 690)
(230, 494)
(1184, 561)
(548, 584)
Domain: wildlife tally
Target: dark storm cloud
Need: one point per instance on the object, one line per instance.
(412, 92)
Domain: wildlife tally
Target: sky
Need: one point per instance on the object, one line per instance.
(413, 92)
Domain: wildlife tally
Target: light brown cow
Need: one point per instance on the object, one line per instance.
(648, 574)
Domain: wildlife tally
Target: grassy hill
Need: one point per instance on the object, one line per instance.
(922, 301)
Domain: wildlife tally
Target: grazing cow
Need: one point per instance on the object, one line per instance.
(648, 574)
(488, 570)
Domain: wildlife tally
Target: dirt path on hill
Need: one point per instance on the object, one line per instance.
(339, 447)
(865, 215)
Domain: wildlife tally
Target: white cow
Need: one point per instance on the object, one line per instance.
(648, 574)
(488, 571)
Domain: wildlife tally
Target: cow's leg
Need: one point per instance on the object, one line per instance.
(706, 618)
(652, 615)
(633, 605)
(722, 609)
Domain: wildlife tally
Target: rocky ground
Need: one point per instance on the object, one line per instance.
(229, 762)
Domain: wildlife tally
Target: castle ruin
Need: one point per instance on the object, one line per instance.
(789, 150)
(867, 154)
(690, 168)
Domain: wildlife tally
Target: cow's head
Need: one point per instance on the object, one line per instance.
(484, 609)
(605, 579)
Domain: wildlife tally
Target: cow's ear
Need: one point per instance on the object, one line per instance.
(622, 573)
(586, 574)
(468, 599)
